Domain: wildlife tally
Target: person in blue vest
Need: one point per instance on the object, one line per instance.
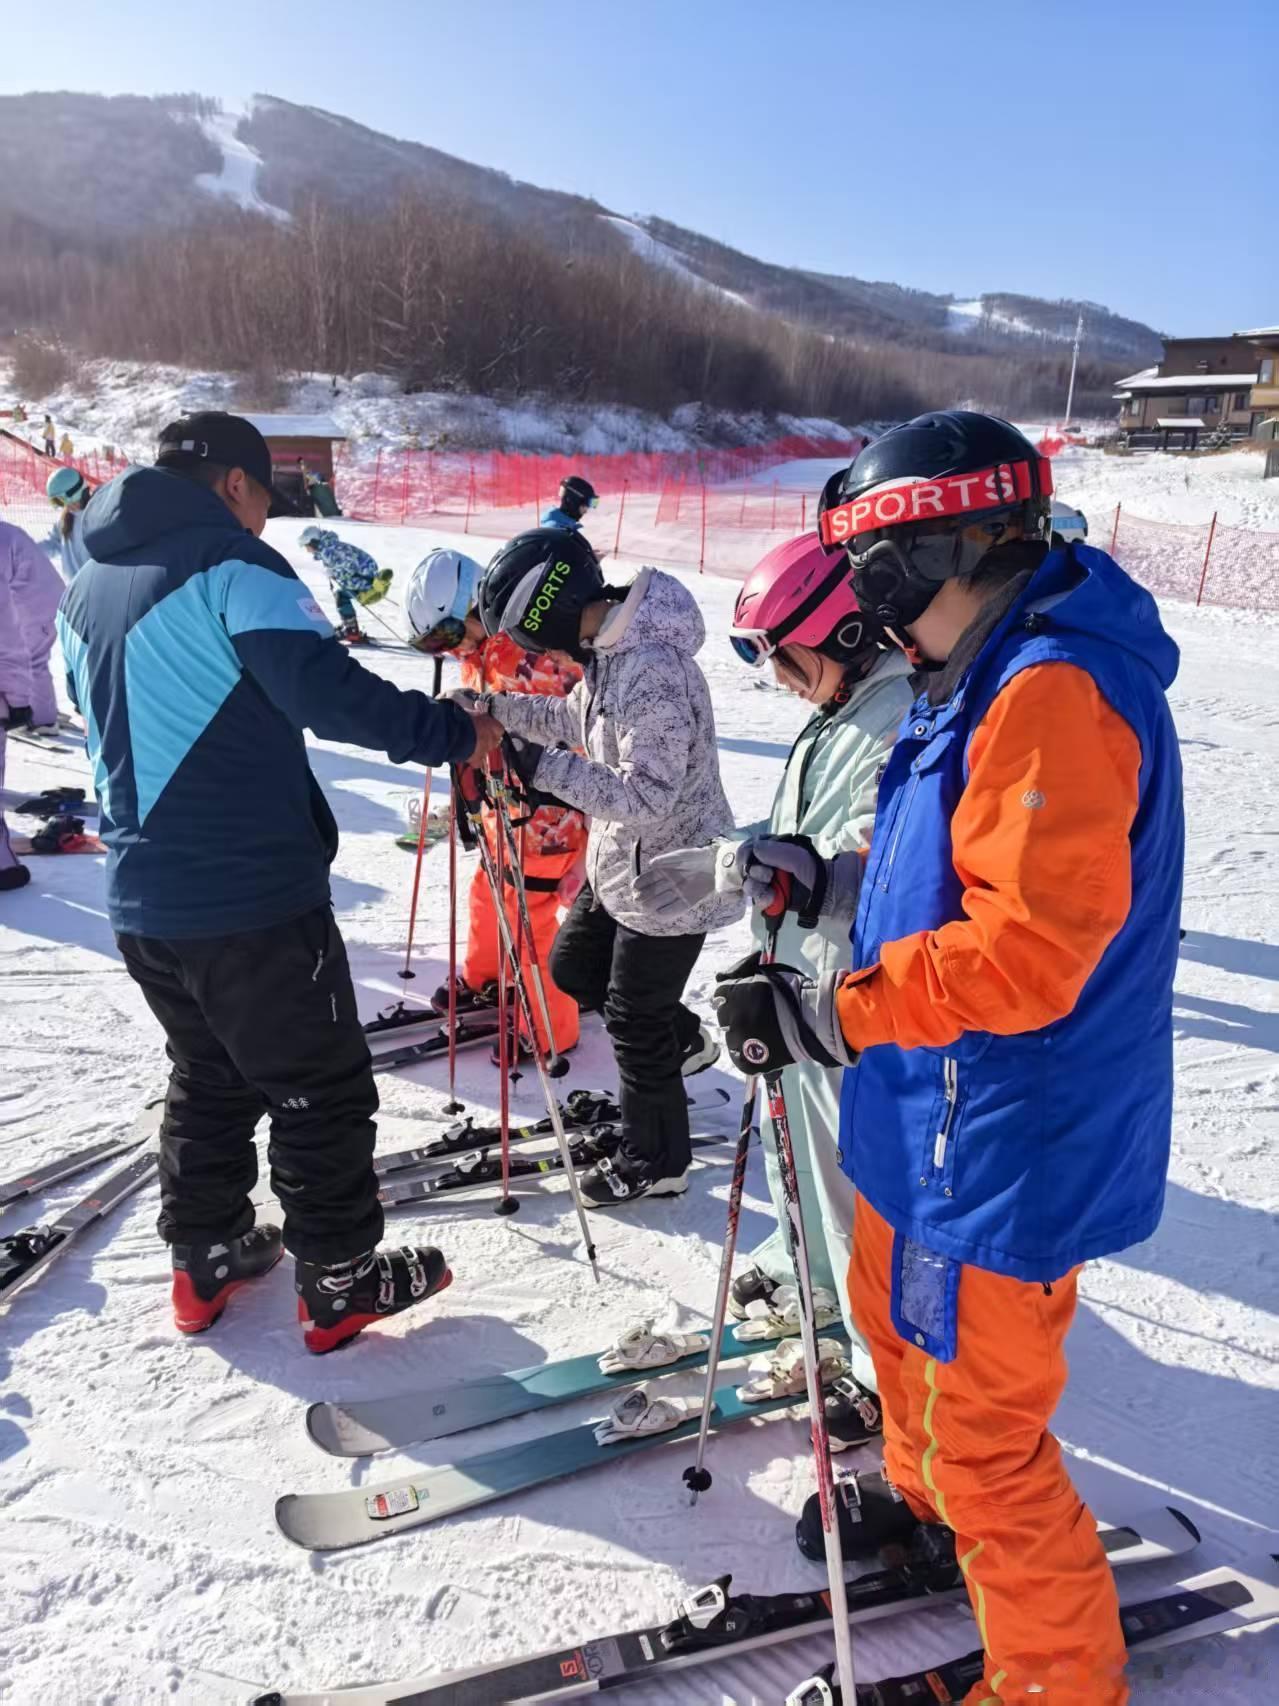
(197, 659)
(1006, 1024)
(577, 495)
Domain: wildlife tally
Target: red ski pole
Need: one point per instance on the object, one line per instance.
(506, 1203)
(405, 973)
(452, 1106)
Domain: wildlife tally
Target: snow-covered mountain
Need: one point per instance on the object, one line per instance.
(87, 168)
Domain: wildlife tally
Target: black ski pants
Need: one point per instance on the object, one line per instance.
(263, 1023)
(636, 982)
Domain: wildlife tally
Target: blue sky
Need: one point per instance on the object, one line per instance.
(1120, 151)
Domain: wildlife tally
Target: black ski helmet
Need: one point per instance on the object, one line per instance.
(902, 508)
(536, 588)
(577, 495)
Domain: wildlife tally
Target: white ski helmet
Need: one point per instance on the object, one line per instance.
(310, 537)
(441, 596)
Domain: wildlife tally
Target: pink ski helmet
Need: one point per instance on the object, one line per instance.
(800, 594)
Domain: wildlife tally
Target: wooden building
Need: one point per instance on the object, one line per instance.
(1202, 386)
(310, 437)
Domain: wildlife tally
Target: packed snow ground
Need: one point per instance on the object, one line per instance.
(138, 1470)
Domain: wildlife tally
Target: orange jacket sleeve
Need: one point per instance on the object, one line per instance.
(1040, 841)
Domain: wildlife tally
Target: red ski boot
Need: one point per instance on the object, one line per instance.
(206, 1275)
(336, 1300)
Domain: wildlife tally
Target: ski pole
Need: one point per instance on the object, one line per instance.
(452, 1106)
(557, 1065)
(470, 797)
(518, 861)
(697, 1478)
(506, 1203)
(808, 1338)
(405, 972)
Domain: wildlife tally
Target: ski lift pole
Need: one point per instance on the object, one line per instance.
(406, 972)
(471, 795)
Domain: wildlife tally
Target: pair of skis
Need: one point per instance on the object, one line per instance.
(25, 1255)
(714, 1624)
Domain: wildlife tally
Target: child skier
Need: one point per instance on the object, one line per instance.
(442, 618)
(354, 575)
(797, 611)
(35, 588)
(29, 594)
(649, 781)
(576, 496)
(69, 492)
(1008, 1019)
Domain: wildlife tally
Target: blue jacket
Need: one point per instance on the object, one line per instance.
(1026, 1154)
(557, 518)
(197, 657)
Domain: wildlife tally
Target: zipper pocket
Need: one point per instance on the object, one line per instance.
(899, 829)
(951, 1092)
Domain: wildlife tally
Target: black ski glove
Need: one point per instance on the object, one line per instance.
(521, 758)
(18, 717)
(773, 1016)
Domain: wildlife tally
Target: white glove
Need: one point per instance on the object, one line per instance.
(671, 884)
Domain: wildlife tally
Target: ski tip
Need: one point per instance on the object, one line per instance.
(1184, 1520)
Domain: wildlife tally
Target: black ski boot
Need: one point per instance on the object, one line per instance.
(337, 1299)
(468, 1000)
(853, 1415)
(872, 1515)
(619, 1179)
(702, 1052)
(752, 1285)
(205, 1275)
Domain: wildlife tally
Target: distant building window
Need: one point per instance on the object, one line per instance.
(1134, 406)
(1196, 405)
(1211, 405)
(1266, 371)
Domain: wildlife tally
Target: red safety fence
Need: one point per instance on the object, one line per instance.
(24, 473)
(397, 486)
(1208, 564)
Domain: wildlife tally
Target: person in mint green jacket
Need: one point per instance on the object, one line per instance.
(797, 611)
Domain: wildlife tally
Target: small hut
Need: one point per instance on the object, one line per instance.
(289, 437)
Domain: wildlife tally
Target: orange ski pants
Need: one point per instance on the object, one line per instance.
(967, 1442)
(480, 965)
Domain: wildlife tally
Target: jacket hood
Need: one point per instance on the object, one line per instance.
(144, 504)
(1085, 591)
(658, 609)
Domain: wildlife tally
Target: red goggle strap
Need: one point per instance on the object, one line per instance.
(910, 502)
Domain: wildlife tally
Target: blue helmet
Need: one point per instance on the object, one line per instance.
(67, 486)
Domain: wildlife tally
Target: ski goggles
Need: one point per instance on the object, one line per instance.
(897, 571)
(753, 646)
(446, 636)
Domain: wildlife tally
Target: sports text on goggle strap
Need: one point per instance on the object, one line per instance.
(930, 500)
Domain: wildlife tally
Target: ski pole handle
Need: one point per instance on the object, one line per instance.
(780, 898)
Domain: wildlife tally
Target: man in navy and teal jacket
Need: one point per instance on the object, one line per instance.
(198, 658)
